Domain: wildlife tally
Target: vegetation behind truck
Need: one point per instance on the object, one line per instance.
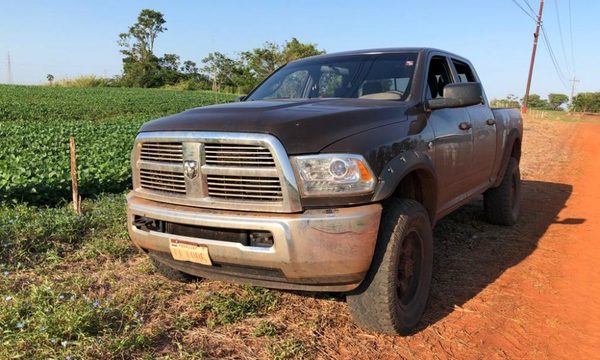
(329, 176)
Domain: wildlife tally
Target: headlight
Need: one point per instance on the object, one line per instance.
(334, 174)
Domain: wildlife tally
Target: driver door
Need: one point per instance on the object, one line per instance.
(453, 141)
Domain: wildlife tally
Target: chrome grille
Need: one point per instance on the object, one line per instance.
(168, 181)
(244, 188)
(233, 171)
(238, 155)
(167, 152)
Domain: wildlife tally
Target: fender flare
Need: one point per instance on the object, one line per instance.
(398, 168)
(512, 138)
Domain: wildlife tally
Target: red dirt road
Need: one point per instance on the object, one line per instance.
(574, 239)
(527, 292)
(549, 303)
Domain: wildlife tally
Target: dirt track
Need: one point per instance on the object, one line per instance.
(530, 291)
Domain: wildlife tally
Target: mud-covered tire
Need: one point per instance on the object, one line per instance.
(390, 300)
(502, 204)
(171, 273)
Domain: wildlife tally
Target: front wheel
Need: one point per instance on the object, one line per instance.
(393, 295)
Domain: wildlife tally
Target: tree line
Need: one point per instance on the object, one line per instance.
(582, 102)
(218, 72)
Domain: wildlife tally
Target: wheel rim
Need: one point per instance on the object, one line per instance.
(409, 267)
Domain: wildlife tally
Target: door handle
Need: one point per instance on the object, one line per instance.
(491, 122)
(464, 125)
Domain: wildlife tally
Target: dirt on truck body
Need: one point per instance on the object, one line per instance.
(329, 176)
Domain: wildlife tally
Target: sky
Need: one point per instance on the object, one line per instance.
(72, 37)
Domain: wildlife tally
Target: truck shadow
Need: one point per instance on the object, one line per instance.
(470, 254)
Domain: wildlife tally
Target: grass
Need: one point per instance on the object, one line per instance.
(562, 116)
(31, 235)
(230, 307)
(288, 349)
(49, 319)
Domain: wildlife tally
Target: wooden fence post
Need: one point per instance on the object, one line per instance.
(74, 186)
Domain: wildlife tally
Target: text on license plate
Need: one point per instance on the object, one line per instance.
(188, 251)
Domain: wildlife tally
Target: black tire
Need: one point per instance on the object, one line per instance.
(171, 273)
(502, 204)
(394, 294)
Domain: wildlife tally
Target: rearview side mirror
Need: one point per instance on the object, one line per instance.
(457, 95)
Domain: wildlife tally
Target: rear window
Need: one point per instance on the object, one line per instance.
(464, 72)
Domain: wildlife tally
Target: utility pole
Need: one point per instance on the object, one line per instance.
(573, 81)
(9, 70)
(536, 36)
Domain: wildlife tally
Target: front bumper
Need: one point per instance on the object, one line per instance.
(317, 250)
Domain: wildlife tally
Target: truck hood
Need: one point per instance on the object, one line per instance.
(303, 126)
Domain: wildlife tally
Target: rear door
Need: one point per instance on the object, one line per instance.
(484, 130)
(453, 145)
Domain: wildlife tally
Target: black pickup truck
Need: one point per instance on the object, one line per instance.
(329, 176)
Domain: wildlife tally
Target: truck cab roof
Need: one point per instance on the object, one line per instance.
(394, 50)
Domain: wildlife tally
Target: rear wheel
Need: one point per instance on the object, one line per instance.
(393, 295)
(502, 204)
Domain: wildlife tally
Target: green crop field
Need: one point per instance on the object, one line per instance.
(66, 281)
(35, 124)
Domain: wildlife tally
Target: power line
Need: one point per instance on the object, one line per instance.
(529, 6)
(560, 31)
(571, 35)
(557, 68)
(524, 11)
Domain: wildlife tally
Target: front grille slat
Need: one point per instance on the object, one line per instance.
(238, 155)
(244, 188)
(166, 181)
(162, 152)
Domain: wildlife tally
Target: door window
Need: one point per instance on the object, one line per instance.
(464, 72)
(438, 77)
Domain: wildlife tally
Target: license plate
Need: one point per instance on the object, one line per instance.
(189, 251)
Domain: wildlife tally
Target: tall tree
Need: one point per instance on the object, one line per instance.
(220, 69)
(586, 102)
(557, 100)
(264, 60)
(189, 68)
(140, 65)
(139, 39)
(536, 102)
(256, 64)
(169, 69)
(294, 50)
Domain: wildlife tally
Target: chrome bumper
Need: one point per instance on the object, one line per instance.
(317, 250)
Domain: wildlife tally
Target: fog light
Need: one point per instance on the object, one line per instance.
(147, 224)
(261, 239)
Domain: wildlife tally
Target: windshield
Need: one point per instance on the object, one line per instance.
(377, 76)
